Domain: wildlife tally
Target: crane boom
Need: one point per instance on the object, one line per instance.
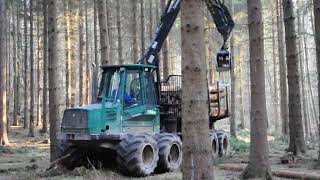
(218, 11)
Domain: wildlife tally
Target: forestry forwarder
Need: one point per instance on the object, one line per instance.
(138, 118)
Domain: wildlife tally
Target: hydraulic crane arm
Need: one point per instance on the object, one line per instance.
(218, 11)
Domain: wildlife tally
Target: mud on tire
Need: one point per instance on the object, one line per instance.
(170, 152)
(137, 155)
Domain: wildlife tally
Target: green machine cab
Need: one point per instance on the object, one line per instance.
(128, 104)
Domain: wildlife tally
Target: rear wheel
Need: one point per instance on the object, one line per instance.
(214, 144)
(137, 155)
(224, 144)
(170, 152)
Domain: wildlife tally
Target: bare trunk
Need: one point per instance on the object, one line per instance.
(87, 81)
(196, 151)
(3, 106)
(275, 79)
(68, 47)
(119, 32)
(45, 68)
(297, 144)
(233, 83)
(56, 71)
(82, 76)
(316, 10)
(134, 23)
(104, 35)
(259, 166)
(302, 72)
(142, 27)
(165, 54)
(31, 123)
(150, 20)
(96, 62)
(16, 68)
(283, 71)
(26, 81)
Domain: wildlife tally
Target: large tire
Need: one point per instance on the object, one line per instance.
(65, 148)
(224, 145)
(170, 152)
(137, 155)
(214, 144)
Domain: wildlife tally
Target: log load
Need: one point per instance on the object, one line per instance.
(214, 97)
(215, 112)
(214, 105)
(214, 90)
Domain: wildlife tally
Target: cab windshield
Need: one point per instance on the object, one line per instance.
(109, 86)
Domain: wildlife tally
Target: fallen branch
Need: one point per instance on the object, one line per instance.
(282, 173)
(52, 164)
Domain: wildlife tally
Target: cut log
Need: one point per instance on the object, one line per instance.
(215, 112)
(214, 97)
(282, 173)
(214, 105)
(214, 90)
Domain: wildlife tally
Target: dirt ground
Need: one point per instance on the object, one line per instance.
(28, 158)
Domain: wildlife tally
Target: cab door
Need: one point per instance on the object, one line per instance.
(137, 117)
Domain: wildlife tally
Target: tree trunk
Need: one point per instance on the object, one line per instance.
(275, 79)
(31, 123)
(259, 166)
(312, 107)
(3, 98)
(82, 75)
(26, 82)
(118, 9)
(196, 151)
(96, 62)
(8, 64)
(302, 72)
(165, 54)
(297, 144)
(45, 68)
(87, 81)
(233, 83)
(73, 18)
(16, 68)
(56, 71)
(134, 23)
(150, 20)
(142, 27)
(39, 90)
(283, 71)
(68, 47)
(104, 35)
(316, 10)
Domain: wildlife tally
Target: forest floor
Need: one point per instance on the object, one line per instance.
(28, 158)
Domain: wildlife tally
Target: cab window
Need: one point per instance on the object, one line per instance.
(132, 94)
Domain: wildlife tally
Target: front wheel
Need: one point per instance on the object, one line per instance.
(137, 155)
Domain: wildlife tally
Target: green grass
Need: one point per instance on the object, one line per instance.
(244, 133)
(239, 146)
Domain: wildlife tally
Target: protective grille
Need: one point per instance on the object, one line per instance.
(75, 121)
(171, 94)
